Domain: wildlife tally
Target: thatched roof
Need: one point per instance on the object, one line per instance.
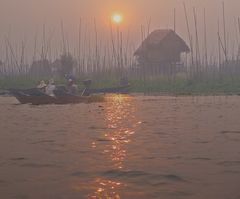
(158, 37)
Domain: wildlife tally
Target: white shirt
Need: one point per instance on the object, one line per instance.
(49, 89)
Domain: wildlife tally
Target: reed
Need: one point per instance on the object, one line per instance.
(107, 59)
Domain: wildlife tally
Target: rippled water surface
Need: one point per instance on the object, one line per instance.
(126, 148)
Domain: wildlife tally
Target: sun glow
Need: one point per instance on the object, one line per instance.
(117, 18)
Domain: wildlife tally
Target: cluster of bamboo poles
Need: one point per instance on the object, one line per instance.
(219, 63)
(97, 56)
(92, 54)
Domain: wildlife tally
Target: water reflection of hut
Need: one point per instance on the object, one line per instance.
(161, 51)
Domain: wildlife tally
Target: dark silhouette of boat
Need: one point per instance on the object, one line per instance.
(36, 97)
(62, 96)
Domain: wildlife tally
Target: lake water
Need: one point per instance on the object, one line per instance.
(130, 147)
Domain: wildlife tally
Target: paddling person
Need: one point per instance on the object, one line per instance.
(42, 86)
(50, 88)
(70, 76)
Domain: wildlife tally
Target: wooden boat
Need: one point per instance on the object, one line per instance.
(36, 97)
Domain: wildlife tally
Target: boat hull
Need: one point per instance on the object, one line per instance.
(43, 99)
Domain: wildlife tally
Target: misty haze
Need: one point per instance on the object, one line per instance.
(119, 99)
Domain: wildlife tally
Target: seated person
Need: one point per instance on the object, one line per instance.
(50, 88)
(42, 86)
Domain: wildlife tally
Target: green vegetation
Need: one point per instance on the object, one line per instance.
(188, 87)
(178, 86)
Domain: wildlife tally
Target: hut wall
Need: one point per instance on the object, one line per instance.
(160, 56)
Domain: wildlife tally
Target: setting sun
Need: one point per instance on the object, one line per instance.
(117, 18)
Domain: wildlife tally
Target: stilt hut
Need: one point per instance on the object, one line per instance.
(160, 52)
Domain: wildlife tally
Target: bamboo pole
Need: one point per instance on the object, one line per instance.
(238, 25)
(205, 39)
(63, 39)
(174, 19)
(219, 47)
(79, 46)
(224, 33)
(96, 62)
(35, 48)
(197, 51)
(189, 34)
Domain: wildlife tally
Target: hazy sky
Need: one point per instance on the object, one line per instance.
(32, 11)
(23, 18)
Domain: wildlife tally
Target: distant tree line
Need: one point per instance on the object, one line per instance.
(60, 67)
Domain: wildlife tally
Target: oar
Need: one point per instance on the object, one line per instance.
(83, 92)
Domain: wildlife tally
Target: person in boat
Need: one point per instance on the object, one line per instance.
(42, 86)
(72, 87)
(70, 76)
(50, 88)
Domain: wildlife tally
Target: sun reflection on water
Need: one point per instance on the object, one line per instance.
(120, 118)
(106, 190)
(121, 124)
